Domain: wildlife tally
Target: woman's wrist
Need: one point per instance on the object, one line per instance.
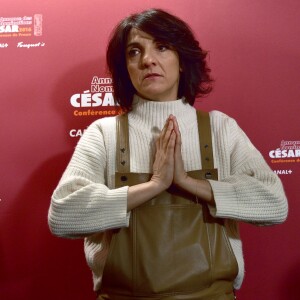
(141, 193)
(201, 188)
(157, 185)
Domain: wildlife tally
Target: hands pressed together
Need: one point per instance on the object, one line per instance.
(168, 168)
(168, 164)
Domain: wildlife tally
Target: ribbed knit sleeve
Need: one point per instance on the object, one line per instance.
(82, 203)
(251, 192)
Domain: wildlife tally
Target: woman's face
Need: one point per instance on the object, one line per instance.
(153, 67)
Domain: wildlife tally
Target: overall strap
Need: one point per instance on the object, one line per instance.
(123, 151)
(205, 139)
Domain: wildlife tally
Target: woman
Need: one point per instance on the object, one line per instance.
(158, 214)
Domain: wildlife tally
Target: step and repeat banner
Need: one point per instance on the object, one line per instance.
(54, 83)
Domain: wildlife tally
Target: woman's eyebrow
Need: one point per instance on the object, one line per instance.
(133, 44)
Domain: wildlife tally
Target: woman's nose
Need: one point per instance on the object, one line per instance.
(148, 59)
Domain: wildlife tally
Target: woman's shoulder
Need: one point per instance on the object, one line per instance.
(101, 124)
(222, 119)
(216, 114)
(99, 131)
(224, 125)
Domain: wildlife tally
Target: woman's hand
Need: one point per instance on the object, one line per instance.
(163, 167)
(200, 188)
(163, 170)
(167, 169)
(180, 176)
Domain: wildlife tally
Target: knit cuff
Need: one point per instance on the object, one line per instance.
(118, 207)
(226, 200)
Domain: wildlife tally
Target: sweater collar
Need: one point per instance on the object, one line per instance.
(151, 113)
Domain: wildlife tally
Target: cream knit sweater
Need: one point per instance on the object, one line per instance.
(86, 204)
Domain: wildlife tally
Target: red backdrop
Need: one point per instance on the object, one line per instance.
(52, 68)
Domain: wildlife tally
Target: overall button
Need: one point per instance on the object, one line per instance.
(123, 178)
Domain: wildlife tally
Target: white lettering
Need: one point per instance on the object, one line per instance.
(283, 172)
(22, 45)
(87, 99)
(284, 153)
(97, 80)
(76, 132)
(9, 28)
(101, 88)
(108, 100)
(97, 101)
(74, 101)
(290, 145)
(291, 153)
(272, 154)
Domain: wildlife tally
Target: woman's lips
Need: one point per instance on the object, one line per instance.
(152, 75)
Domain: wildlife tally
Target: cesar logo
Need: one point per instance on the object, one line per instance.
(9, 28)
(86, 99)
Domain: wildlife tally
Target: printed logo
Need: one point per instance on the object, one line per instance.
(289, 152)
(97, 101)
(74, 133)
(28, 46)
(37, 26)
(283, 172)
(91, 102)
(27, 26)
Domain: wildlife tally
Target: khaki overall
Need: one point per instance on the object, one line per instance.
(173, 248)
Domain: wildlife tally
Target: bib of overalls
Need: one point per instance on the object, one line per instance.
(173, 248)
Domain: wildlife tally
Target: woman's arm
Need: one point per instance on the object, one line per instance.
(252, 192)
(82, 204)
(163, 169)
(200, 188)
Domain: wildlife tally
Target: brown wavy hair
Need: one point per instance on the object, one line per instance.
(195, 80)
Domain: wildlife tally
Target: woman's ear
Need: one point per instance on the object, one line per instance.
(181, 68)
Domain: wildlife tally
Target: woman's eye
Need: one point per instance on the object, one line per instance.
(162, 47)
(133, 52)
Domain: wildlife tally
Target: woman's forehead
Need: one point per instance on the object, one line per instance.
(136, 35)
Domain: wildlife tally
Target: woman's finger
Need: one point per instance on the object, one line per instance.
(162, 134)
(165, 134)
